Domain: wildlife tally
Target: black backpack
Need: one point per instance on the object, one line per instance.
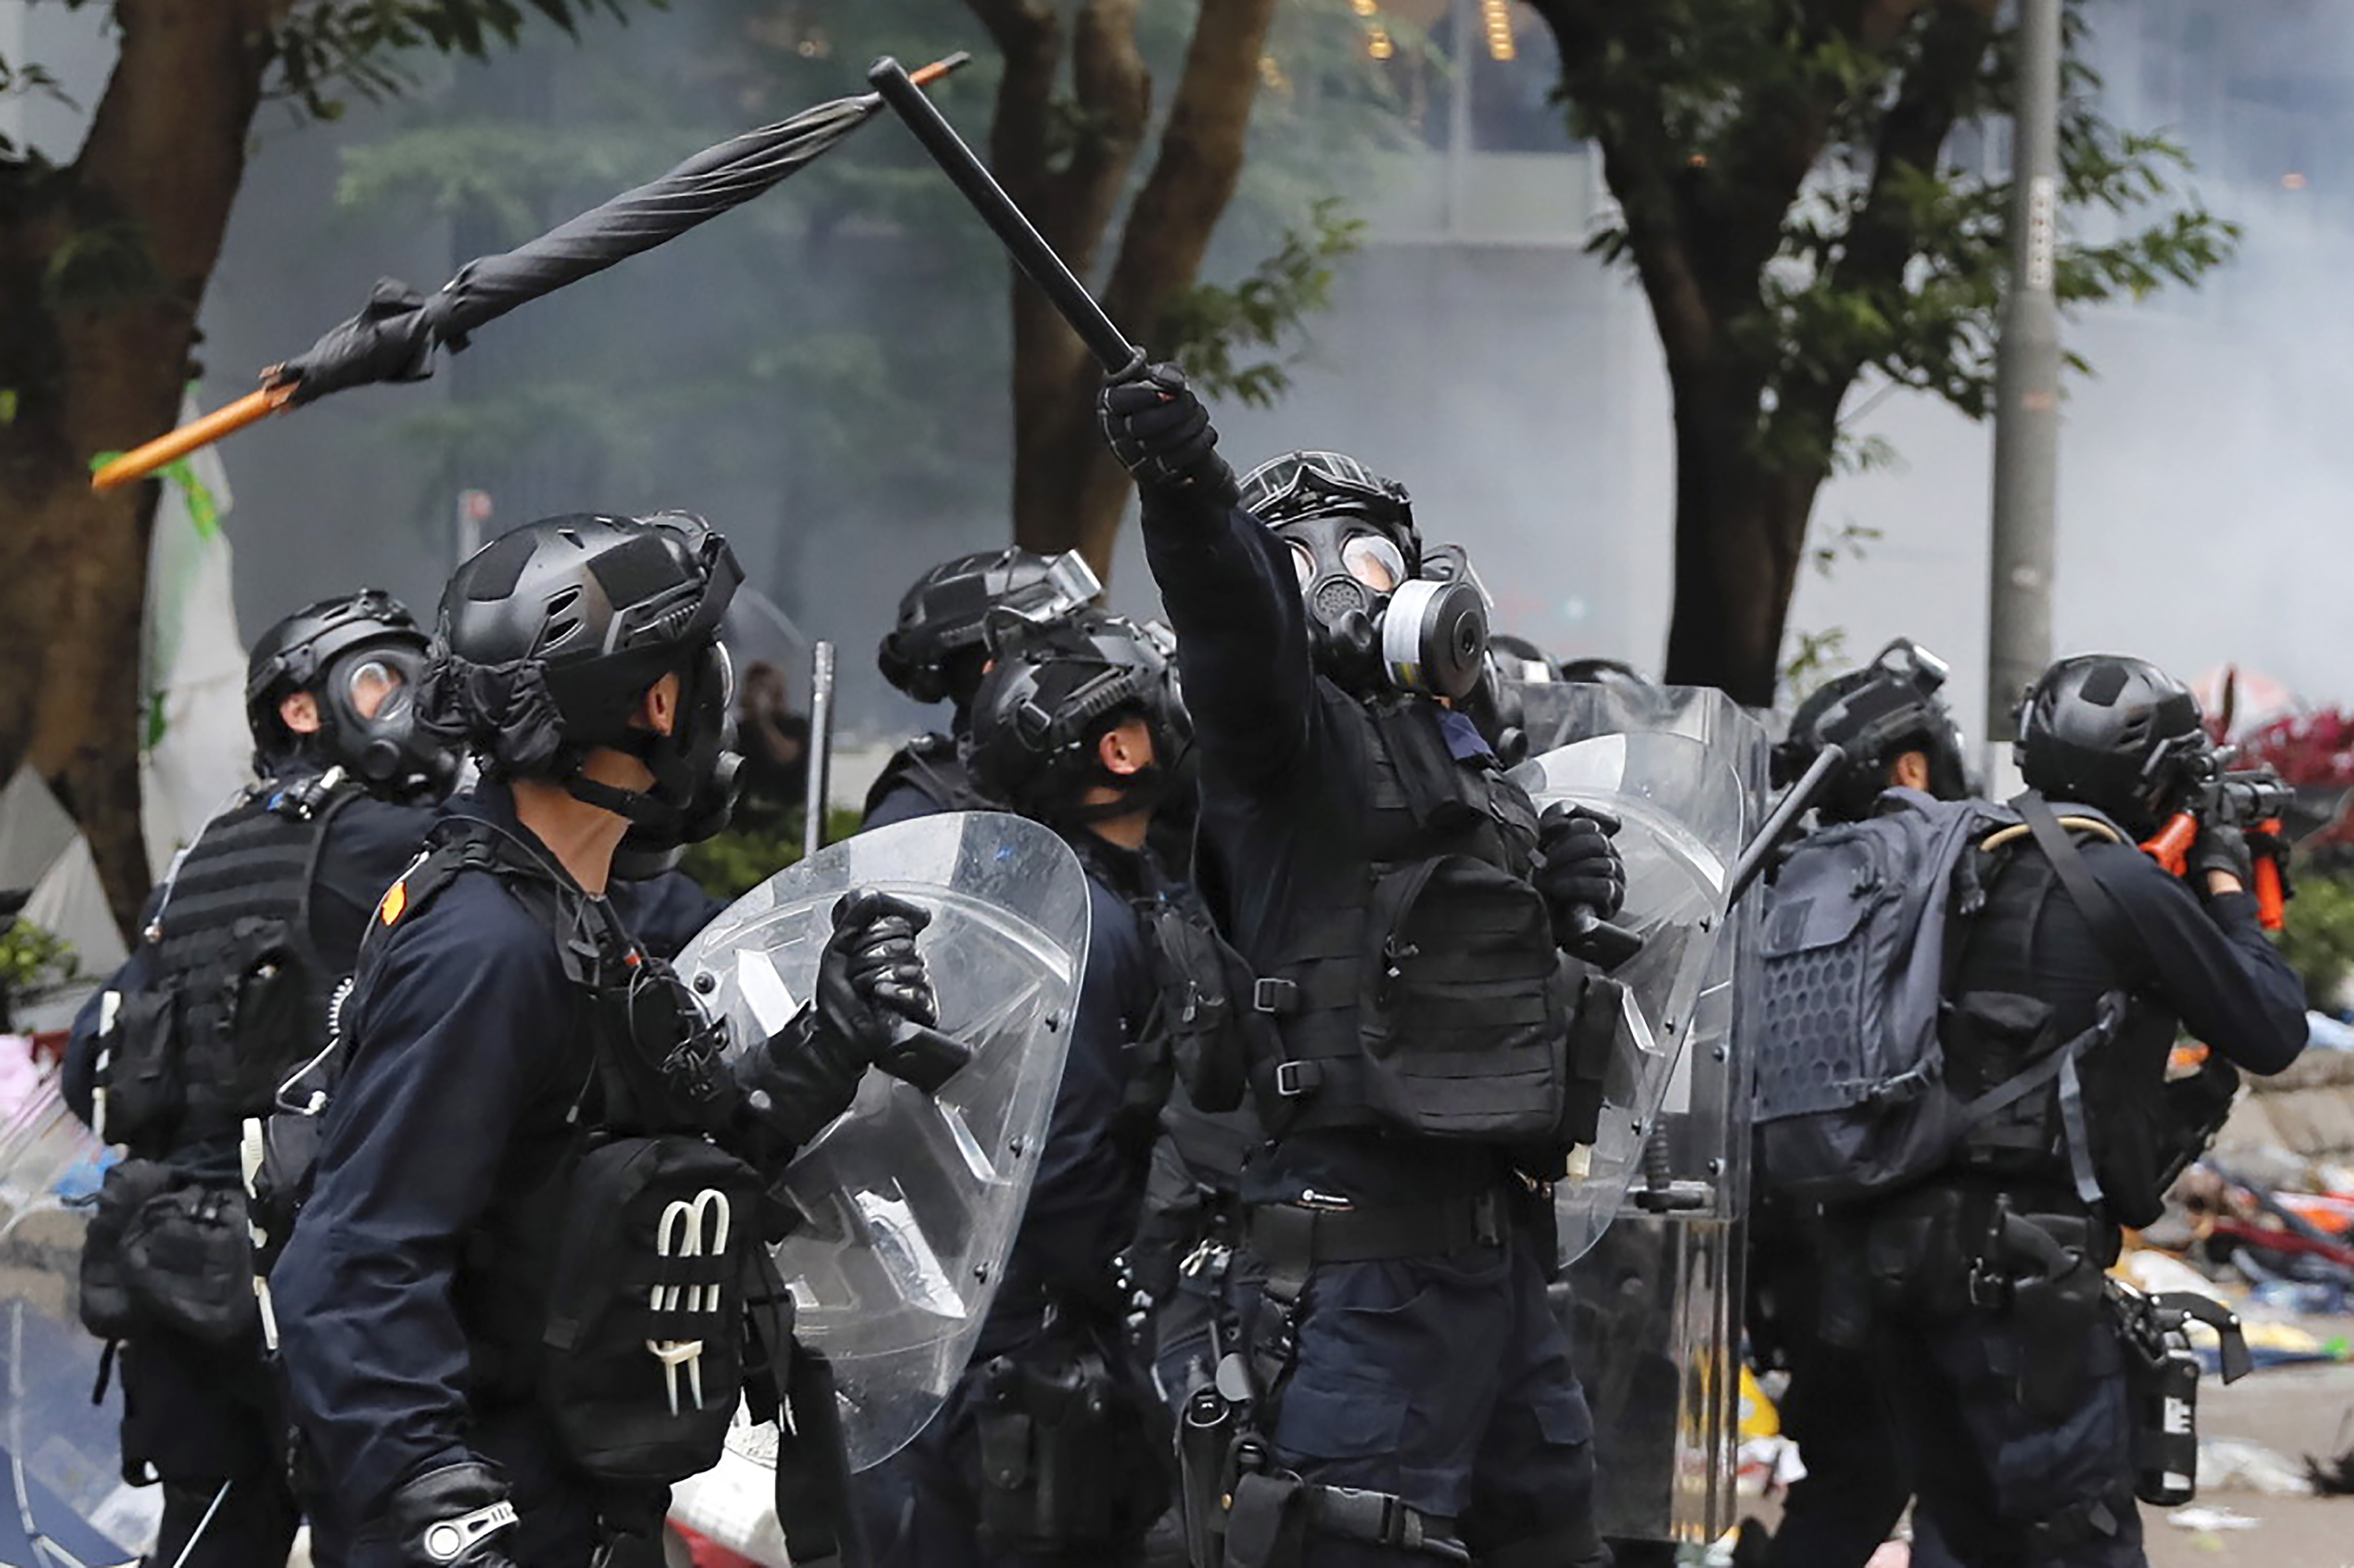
(1862, 932)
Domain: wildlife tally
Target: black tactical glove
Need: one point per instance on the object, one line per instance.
(1578, 868)
(868, 976)
(457, 1515)
(1162, 435)
(2220, 847)
(2264, 844)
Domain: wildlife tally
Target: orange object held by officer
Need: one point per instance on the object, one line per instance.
(2251, 799)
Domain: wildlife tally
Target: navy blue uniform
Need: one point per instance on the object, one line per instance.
(924, 778)
(196, 1414)
(1441, 1378)
(921, 1504)
(665, 913)
(466, 1063)
(2001, 1485)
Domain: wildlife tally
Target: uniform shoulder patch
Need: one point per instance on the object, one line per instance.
(393, 903)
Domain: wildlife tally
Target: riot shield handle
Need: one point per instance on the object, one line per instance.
(1598, 942)
(922, 1055)
(1793, 805)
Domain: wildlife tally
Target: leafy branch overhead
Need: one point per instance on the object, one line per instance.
(1811, 192)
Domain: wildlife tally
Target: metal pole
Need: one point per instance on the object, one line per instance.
(2027, 389)
(821, 746)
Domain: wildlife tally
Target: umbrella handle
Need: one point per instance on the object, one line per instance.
(143, 460)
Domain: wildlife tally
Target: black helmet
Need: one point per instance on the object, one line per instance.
(2115, 733)
(1875, 714)
(934, 653)
(1052, 693)
(548, 638)
(1518, 658)
(359, 657)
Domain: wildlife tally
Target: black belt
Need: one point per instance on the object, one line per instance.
(1292, 1239)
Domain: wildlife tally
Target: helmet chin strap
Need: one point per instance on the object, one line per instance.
(655, 808)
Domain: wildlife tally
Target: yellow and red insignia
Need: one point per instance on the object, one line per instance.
(395, 900)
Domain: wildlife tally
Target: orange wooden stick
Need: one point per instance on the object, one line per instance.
(138, 464)
(939, 68)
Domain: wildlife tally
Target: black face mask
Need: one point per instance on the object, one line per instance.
(367, 722)
(1415, 635)
(696, 769)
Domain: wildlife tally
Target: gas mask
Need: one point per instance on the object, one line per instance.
(367, 722)
(1371, 626)
(694, 768)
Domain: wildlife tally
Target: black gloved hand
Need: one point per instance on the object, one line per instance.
(868, 976)
(1162, 435)
(453, 1517)
(1578, 868)
(870, 972)
(2224, 848)
(2264, 843)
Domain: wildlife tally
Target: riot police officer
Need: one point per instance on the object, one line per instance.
(1046, 1452)
(2001, 1361)
(1897, 733)
(521, 1298)
(1402, 910)
(935, 653)
(227, 989)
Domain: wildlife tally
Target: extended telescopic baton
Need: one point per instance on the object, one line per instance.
(1020, 237)
(1785, 816)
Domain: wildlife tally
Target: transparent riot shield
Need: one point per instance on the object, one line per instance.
(67, 1499)
(1654, 1236)
(1689, 789)
(909, 1200)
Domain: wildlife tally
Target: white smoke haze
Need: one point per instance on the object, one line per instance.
(1473, 352)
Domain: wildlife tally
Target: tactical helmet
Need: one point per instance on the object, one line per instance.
(1518, 658)
(934, 653)
(2115, 733)
(1302, 485)
(359, 657)
(1875, 714)
(549, 638)
(1052, 693)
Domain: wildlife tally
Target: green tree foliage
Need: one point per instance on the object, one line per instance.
(798, 363)
(104, 261)
(2318, 940)
(1791, 198)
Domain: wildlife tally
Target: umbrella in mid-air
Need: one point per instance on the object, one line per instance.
(395, 335)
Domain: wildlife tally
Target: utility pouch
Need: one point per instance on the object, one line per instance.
(1465, 1015)
(641, 1360)
(1593, 1044)
(272, 1018)
(1268, 1526)
(1071, 1457)
(1920, 1255)
(187, 1263)
(109, 1309)
(139, 1078)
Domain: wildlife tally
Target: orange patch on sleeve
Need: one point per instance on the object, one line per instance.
(396, 899)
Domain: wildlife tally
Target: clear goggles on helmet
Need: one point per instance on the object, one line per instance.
(1907, 661)
(1068, 584)
(1374, 559)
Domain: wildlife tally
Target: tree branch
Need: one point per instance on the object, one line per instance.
(1200, 161)
(1626, 115)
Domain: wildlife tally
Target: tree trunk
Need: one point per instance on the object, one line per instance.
(98, 369)
(1070, 494)
(1740, 534)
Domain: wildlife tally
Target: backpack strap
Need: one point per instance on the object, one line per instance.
(2108, 925)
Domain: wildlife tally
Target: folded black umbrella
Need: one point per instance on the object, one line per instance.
(395, 335)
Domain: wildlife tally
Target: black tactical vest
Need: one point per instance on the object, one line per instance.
(2001, 1021)
(1421, 990)
(932, 764)
(241, 996)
